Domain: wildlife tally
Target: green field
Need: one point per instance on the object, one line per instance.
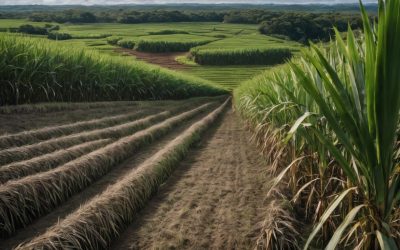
(216, 35)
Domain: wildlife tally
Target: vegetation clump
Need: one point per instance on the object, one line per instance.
(168, 32)
(126, 43)
(34, 70)
(241, 56)
(167, 46)
(330, 120)
(59, 36)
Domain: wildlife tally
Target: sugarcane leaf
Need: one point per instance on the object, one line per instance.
(340, 230)
(385, 242)
(326, 215)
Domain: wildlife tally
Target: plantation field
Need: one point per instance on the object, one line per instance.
(124, 151)
(153, 37)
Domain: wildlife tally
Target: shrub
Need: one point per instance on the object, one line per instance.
(33, 30)
(126, 43)
(113, 40)
(58, 36)
(168, 32)
(167, 46)
(241, 56)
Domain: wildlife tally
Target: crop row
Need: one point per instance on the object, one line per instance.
(329, 123)
(48, 161)
(34, 70)
(269, 56)
(60, 106)
(156, 46)
(34, 136)
(25, 199)
(97, 223)
(28, 151)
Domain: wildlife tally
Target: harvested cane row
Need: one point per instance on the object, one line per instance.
(60, 106)
(46, 133)
(97, 223)
(29, 151)
(120, 116)
(48, 161)
(25, 199)
(26, 152)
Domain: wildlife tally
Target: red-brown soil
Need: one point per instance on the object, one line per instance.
(166, 60)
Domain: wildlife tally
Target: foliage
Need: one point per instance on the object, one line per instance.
(113, 40)
(33, 30)
(34, 71)
(241, 56)
(308, 26)
(126, 43)
(168, 32)
(168, 46)
(335, 113)
(58, 36)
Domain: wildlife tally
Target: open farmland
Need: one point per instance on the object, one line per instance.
(151, 38)
(107, 162)
(139, 127)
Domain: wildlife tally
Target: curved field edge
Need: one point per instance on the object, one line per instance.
(36, 70)
(101, 220)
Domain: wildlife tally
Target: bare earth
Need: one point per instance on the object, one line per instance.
(213, 200)
(166, 60)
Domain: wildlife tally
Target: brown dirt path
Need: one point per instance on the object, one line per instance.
(213, 200)
(166, 60)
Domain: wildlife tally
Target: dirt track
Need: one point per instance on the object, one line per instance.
(166, 60)
(213, 200)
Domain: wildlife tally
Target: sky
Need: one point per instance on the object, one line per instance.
(108, 2)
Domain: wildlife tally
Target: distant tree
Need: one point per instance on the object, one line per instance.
(34, 30)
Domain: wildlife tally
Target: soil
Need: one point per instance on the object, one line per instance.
(213, 200)
(42, 224)
(166, 60)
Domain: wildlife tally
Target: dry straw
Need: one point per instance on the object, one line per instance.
(97, 223)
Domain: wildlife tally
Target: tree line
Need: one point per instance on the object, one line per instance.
(294, 25)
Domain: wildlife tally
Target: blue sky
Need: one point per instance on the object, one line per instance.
(91, 2)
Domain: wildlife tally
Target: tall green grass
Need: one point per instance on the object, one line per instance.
(241, 56)
(168, 46)
(35, 70)
(332, 118)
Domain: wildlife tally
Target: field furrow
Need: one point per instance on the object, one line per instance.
(48, 161)
(33, 150)
(14, 122)
(40, 225)
(95, 224)
(28, 198)
(34, 136)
